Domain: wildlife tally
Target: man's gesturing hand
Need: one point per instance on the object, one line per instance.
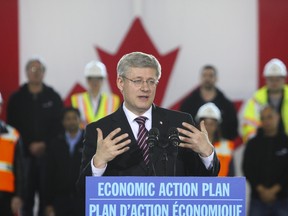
(195, 139)
(109, 147)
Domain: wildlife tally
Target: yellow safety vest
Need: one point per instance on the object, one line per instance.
(251, 112)
(8, 143)
(108, 103)
(224, 150)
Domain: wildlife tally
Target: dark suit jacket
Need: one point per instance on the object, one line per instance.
(62, 173)
(62, 168)
(130, 163)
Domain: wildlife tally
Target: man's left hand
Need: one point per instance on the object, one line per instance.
(195, 139)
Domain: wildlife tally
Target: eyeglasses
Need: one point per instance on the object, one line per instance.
(35, 69)
(139, 82)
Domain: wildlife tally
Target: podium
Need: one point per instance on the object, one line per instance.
(165, 196)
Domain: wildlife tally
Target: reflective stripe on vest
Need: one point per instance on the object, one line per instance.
(284, 109)
(107, 105)
(7, 150)
(224, 151)
(251, 119)
(5, 167)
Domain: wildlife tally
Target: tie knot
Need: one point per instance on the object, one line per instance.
(141, 120)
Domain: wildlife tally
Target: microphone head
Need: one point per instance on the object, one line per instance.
(173, 136)
(173, 131)
(153, 137)
(154, 132)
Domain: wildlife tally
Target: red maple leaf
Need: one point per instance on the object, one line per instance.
(138, 40)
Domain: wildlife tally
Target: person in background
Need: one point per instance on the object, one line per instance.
(94, 104)
(275, 93)
(265, 165)
(35, 111)
(63, 166)
(116, 145)
(208, 92)
(11, 170)
(224, 148)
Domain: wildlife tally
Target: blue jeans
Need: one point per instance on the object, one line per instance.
(278, 208)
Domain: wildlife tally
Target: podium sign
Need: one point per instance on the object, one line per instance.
(165, 196)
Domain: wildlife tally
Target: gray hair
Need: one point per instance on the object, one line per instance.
(138, 60)
(36, 59)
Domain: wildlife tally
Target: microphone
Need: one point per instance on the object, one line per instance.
(173, 136)
(174, 140)
(153, 137)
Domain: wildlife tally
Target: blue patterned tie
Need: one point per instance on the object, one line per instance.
(142, 138)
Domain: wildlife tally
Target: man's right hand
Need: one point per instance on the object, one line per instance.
(109, 147)
(49, 211)
(37, 148)
(268, 195)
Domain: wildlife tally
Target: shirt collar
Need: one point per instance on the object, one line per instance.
(131, 116)
(78, 135)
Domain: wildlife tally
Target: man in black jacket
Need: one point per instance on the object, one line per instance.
(35, 111)
(208, 92)
(63, 165)
(265, 165)
(113, 147)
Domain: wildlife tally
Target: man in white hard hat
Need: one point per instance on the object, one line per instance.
(275, 93)
(94, 104)
(224, 148)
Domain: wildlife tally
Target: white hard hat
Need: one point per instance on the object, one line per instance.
(209, 110)
(1, 99)
(95, 69)
(275, 67)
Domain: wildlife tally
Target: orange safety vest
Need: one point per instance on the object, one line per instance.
(108, 103)
(224, 150)
(8, 143)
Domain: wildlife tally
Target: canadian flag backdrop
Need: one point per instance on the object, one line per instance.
(238, 37)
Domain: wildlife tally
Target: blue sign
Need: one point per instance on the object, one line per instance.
(165, 196)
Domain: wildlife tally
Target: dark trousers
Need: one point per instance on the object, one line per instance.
(69, 206)
(278, 208)
(5, 204)
(35, 175)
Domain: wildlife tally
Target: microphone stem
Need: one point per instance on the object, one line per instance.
(165, 159)
(152, 164)
(175, 160)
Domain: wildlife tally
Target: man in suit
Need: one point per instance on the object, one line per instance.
(110, 144)
(63, 165)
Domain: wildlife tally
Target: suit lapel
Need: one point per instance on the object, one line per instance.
(160, 121)
(120, 120)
